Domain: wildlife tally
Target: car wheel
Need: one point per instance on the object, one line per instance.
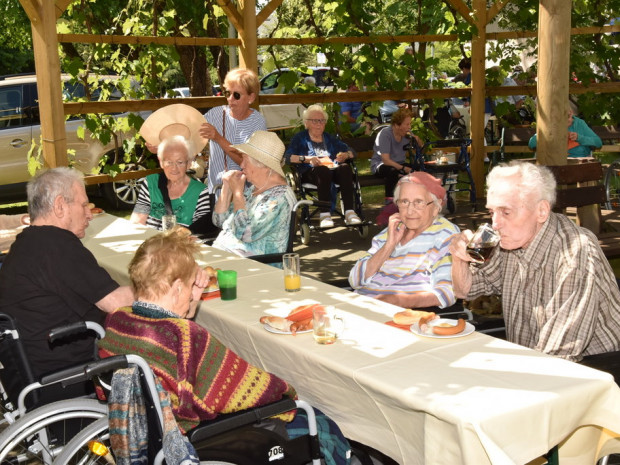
(123, 194)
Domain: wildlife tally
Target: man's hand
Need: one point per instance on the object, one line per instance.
(458, 246)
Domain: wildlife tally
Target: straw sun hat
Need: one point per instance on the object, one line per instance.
(175, 120)
(265, 147)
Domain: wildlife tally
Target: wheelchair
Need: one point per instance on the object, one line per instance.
(307, 192)
(34, 436)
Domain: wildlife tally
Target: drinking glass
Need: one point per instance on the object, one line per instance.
(482, 244)
(168, 222)
(292, 278)
(227, 281)
(326, 325)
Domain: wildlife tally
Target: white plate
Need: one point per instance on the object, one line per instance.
(213, 289)
(273, 330)
(469, 328)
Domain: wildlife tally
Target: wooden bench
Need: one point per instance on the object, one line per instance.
(580, 185)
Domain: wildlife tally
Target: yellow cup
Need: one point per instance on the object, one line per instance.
(292, 278)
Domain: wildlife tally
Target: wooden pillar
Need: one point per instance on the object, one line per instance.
(478, 85)
(42, 15)
(553, 77)
(249, 46)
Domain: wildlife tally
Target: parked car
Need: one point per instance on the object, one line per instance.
(282, 80)
(20, 128)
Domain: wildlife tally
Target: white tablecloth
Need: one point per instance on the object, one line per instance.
(470, 400)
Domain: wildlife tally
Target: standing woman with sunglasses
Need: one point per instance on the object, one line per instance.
(321, 159)
(231, 124)
(409, 263)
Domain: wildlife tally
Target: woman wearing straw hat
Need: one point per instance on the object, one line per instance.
(231, 124)
(253, 218)
(173, 132)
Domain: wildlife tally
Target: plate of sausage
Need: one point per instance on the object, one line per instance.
(442, 328)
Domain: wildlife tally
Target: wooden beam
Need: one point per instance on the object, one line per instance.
(116, 39)
(463, 10)
(89, 180)
(61, 7)
(495, 9)
(232, 12)
(31, 9)
(206, 41)
(266, 11)
(47, 65)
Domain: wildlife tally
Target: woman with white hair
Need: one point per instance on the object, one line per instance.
(409, 263)
(173, 192)
(253, 218)
(321, 160)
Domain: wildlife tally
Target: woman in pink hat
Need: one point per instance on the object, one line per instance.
(409, 263)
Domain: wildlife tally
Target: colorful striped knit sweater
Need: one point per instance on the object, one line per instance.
(202, 376)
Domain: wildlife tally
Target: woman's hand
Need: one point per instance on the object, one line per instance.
(235, 180)
(208, 130)
(396, 229)
(343, 156)
(573, 136)
(314, 161)
(201, 281)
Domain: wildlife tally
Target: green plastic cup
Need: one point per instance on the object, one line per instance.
(227, 280)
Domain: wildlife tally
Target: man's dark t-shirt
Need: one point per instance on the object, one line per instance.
(50, 279)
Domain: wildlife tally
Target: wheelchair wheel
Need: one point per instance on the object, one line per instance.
(304, 232)
(363, 231)
(612, 186)
(91, 445)
(38, 436)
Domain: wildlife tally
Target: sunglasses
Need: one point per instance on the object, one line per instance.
(236, 95)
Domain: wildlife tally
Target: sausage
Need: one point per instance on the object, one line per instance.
(423, 322)
(450, 330)
(302, 325)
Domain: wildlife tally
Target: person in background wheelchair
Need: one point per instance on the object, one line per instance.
(202, 376)
(321, 159)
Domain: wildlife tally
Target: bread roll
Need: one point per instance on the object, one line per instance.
(409, 316)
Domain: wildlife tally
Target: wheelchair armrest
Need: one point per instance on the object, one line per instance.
(235, 420)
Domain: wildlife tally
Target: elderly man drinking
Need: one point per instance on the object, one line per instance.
(409, 262)
(559, 294)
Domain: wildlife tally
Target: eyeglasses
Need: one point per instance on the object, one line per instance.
(236, 95)
(418, 204)
(317, 121)
(171, 163)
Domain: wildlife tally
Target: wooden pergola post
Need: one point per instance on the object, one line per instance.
(478, 85)
(553, 78)
(249, 47)
(42, 15)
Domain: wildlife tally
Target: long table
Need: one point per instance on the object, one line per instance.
(469, 400)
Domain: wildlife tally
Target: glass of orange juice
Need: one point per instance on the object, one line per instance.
(292, 279)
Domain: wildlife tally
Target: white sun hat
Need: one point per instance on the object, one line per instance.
(265, 147)
(177, 119)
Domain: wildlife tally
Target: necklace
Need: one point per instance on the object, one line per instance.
(257, 191)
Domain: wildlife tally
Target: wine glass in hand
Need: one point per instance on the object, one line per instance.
(482, 244)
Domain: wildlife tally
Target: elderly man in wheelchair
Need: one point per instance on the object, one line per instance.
(322, 160)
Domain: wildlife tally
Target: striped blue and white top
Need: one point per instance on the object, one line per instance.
(423, 264)
(237, 132)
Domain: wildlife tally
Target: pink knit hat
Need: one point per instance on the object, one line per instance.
(431, 183)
